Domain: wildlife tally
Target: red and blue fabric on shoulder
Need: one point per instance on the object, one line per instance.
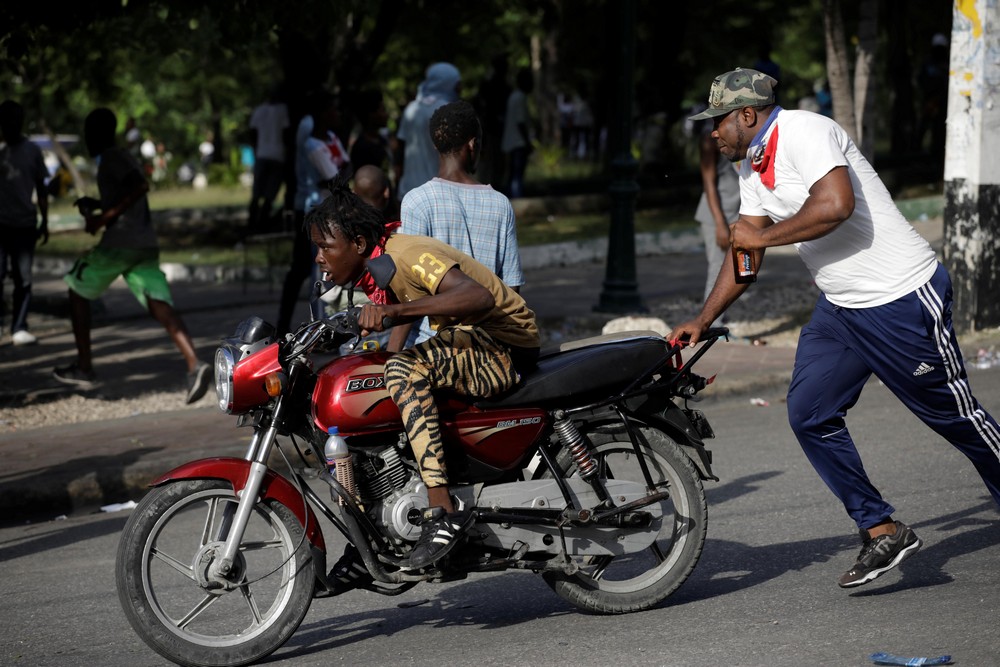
(761, 154)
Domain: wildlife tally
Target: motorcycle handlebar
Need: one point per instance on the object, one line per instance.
(387, 322)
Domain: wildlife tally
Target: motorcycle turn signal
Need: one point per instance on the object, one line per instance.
(274, 383)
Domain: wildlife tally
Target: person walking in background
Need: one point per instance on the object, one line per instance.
(320, 156)
(128, 248)
(268, 132)
(517, 133)
(22, 171)
(719, 205)
(371, 147)
(491, 106)
(932, 80)
(456, 208)
(415, 154)
(373, 186)
(884, 307)
(584, 145)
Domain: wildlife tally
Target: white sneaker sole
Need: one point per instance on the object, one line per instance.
(875, 574)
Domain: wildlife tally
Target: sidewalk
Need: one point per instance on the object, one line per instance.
(67, 467)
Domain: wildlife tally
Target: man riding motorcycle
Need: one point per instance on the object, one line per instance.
(486, 337)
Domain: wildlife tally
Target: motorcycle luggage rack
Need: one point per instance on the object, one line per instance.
(672, 359)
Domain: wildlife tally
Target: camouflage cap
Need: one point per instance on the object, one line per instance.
(737, 89)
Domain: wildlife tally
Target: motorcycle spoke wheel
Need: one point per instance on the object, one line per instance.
(640, 580)
(174, 602)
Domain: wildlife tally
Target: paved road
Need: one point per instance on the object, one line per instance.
(764, 592)
(64, 467)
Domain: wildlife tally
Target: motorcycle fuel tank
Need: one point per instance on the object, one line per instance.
(350, 394)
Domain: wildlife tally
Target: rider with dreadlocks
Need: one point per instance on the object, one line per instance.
(486, 335)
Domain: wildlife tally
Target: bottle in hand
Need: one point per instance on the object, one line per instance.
(744, 267)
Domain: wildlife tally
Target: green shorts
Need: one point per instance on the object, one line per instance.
(140, 267)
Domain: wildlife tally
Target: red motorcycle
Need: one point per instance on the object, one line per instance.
(588, 473)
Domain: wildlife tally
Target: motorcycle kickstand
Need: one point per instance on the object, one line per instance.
(569, 567)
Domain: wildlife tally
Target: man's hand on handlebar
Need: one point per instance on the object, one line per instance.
(375, 317)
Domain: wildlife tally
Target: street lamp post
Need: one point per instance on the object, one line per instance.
(620, 290)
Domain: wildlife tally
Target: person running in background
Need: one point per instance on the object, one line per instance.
(22, 171)
(128, 248)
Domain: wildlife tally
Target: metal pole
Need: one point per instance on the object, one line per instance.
(620, 291)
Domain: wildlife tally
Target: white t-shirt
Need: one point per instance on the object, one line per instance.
(870, 259)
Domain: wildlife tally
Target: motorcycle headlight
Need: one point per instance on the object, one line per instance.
(225, 363)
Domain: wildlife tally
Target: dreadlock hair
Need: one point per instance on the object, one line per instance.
(347, 212)
(452, 125)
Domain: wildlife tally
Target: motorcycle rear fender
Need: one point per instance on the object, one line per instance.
(677, 426)
(236, 471)
(664, 415)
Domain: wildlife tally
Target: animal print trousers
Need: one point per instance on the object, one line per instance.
(464, 359)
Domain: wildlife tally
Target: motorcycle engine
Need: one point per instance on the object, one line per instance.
(392, 491)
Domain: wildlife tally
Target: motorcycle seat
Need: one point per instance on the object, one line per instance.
(584, 371)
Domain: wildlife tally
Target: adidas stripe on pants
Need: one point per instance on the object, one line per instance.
(910, 345)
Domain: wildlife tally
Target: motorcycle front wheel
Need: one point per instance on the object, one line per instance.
(173, 603)
(638, 581)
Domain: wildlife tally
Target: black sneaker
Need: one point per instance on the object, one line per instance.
(350, 572)
(438, 535)
(198, 381)
(881, 554)
(72, 375)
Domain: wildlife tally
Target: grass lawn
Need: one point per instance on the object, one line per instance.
(218, 241)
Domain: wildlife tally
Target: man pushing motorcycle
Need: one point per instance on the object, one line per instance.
(486, 336)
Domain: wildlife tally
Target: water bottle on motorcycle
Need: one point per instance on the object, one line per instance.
(339, 462)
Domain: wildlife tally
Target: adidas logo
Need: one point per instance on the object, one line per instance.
(922, 369)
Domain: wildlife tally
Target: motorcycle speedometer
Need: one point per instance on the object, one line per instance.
(225, 362)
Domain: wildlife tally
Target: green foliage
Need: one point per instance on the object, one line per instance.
(184, 69)
(550, 158)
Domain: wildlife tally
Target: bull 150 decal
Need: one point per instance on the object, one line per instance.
(519, 422)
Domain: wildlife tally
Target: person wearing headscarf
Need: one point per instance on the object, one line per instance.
(415, 152)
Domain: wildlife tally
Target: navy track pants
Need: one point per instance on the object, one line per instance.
(910, 345)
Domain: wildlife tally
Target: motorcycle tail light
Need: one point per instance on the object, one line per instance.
(225, 362)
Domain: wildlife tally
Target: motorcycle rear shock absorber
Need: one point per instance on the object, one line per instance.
(577, 445)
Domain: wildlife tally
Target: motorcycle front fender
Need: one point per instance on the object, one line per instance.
(235, 471)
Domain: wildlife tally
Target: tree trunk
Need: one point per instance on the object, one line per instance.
(864, 79)
(837, 69)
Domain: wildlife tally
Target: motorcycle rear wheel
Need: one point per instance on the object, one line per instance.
(164, 551)
(638, 581)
